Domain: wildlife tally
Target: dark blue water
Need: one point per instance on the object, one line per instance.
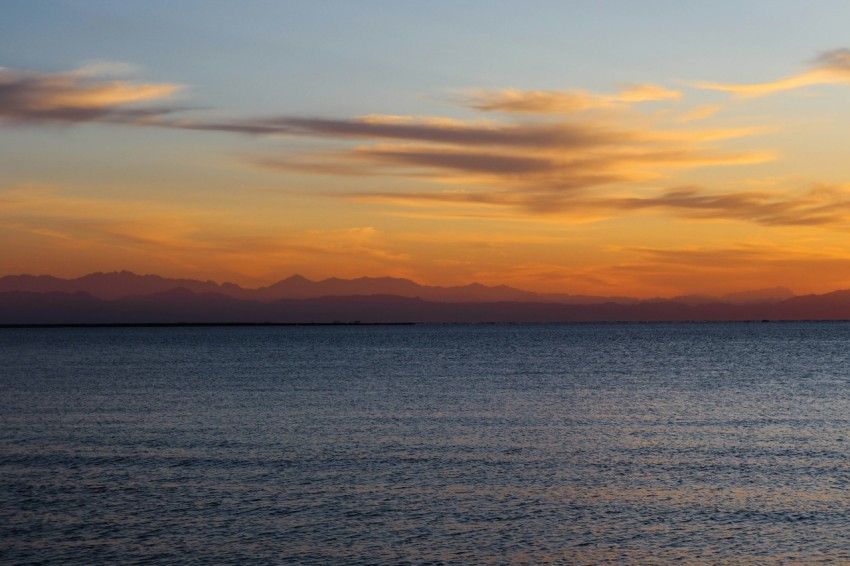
(571, 444)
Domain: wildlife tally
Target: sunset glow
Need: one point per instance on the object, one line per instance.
(545, 146)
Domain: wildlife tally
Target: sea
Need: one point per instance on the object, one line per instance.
(659, 443)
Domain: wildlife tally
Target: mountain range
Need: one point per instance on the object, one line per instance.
(123, 297)
(124, 284)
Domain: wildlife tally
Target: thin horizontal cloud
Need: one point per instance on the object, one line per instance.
(615, 164)
(537, 177)
(715, 258)
(515, 101)
(336, 164)
(646, 92)
(84, 95)
(822, 205)
(532, 158)
(520, 135)
(470, 162)
(743, 256)
(448, 165)
(700, 113)
(543, 165)
(830, 67)
(536, 156)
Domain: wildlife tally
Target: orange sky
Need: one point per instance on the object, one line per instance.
(630, 180)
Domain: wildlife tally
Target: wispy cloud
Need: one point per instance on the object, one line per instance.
(456, 132)
(700, 113)
(830, 67)
(578, 166)
(821, 205)
(515, 101)
(534, 156)
(84, 95)
(646, 92)
(516, 162)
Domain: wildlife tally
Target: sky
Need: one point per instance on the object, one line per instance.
(624, 147)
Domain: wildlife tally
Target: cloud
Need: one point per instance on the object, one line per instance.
(830, 67)
(562, 101)
(520, 135)
(646, 92)
(707, 258)
(465, 161)
(532, 180)
(79, 96)
(700, 112)
(535, 101)
(535, 156)
(536, 160)
(540, 165)
(820, 205)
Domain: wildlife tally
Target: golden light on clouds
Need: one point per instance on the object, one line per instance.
(514, 101)
(561, 189)
(540, 167)
(831, 67)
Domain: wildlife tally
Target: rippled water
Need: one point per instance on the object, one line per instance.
(573, 444)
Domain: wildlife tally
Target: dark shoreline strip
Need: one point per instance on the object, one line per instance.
(455, 323)
(189, 324)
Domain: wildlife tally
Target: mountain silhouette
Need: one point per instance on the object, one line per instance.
(114, 285)
(124, 297)
(182, 305)
(123, 284)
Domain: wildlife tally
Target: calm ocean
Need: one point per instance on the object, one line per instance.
(462, 444)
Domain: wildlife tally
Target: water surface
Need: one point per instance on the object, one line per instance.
(573, 444)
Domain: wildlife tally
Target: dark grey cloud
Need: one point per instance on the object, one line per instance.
(76, 97)
(523, 135)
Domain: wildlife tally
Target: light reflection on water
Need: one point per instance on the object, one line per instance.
(632, 443)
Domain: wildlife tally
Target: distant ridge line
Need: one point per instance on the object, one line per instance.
(126, 284)
(104, 303)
